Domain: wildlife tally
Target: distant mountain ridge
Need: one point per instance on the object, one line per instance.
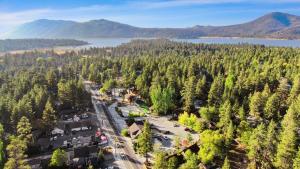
(272, 25)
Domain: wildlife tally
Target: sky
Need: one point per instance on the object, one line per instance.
(142, 13)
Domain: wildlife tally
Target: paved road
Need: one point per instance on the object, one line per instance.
(124, 156)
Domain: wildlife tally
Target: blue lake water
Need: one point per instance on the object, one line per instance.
(112, 42)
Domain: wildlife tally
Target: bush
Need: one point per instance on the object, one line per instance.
(136, 114)
(124, 132)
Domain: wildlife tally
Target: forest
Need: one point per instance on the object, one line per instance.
(248, 96)
(26, 44)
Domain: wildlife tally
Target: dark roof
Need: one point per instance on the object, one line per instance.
(78, 124)
(85, 151)
(45, 162)
(81, 152)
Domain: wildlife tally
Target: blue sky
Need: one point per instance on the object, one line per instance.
(151, 13)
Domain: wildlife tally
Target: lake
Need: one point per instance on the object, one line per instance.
(112, 42)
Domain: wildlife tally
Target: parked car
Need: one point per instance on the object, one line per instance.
(53, 138)
(123, 155)
(84, 116)
(119, 145)
(166, 138)
(187, 129)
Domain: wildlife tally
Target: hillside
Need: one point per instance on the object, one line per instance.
(272, 25)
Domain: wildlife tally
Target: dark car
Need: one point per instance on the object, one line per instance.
(187, 129)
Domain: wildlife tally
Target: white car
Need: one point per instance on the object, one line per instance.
(123, 155)
(53, 138)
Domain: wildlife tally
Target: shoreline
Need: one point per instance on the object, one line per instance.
(237, 37)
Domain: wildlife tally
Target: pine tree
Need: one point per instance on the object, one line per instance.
(296, 161)
(256, 147)
(200, 88)
(226, 164)
(270, 144)
(188, 94)
(2, 155)
(286, 149)
(216, 91)
(16, 155)
(49, 117)
(225, 115)
(272, 107)
(159, 160)
(295, 91)
(256, 105)
(229, 134)
(144, 141)
(172, 163)
(58, 158)
(191, 161)
(283, 91)
(24, 130)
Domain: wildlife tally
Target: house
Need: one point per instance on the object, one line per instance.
(86, 151)
(129, 98)
(118, 91)
(197, 104)
(135, 129)
(85, 155)
(80, 126)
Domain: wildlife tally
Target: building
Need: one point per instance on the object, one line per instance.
(136, 129)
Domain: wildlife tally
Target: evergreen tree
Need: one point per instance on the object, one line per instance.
(270, 144)
(191, 161)
(226, 164)
(256, 147)
(159, 160)
(225, 115)
(200, 88)
(2, 155)
(16, 155)
(49, 117)
(210, 145)
(272, 107)
(216, 91)
(172, 163)
(144, 141)
(256, 105)
(52, 79)
(295, 91)
(24, 130)
(59, 158)
(188, 94)
(296, 161)
(286, 148)
(229, 134)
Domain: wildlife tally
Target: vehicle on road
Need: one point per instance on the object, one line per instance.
(123, 155)
(166, 138)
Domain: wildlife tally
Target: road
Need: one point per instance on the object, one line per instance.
(124, 156)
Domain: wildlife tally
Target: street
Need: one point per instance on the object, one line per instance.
(124, 155)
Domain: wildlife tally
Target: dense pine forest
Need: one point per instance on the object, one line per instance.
(248, 97)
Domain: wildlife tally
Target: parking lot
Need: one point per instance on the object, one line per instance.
(167, 131)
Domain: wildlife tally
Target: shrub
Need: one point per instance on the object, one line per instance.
(124, 132)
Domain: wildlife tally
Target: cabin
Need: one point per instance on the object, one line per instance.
(136, 129)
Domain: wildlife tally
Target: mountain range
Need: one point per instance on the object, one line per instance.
(272, 25)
